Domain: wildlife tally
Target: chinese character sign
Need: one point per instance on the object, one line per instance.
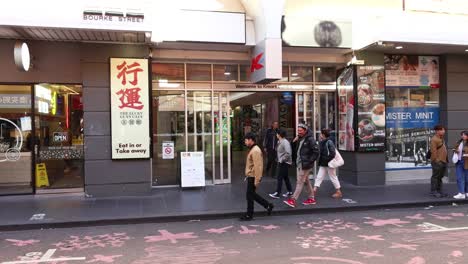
(130, 108)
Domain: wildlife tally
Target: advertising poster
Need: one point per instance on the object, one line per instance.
(403, 71)
(371, 108)
(130, 108)
(412, 109)
(346, 110)
(317, 33)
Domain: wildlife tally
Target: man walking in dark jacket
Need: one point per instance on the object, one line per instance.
(269, 146)
(307, 154)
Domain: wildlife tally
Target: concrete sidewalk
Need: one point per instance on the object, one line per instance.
(174, 204)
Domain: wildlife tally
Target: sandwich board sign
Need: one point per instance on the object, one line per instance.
(192, 169)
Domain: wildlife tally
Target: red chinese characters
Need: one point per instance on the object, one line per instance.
(129, 97)
(125, 70)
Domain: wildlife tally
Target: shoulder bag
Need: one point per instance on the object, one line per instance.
(337, 161)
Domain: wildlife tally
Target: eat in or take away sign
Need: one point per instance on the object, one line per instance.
(129, 81)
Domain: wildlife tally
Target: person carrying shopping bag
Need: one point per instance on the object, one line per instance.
(460, 158)
(328, 153)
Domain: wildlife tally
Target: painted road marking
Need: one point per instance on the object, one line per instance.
(47, 257)
(437, 228)
(37, 217)
(350, 201)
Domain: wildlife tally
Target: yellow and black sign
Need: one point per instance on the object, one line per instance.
(41, 175)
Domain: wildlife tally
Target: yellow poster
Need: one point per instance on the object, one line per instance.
(41, 175)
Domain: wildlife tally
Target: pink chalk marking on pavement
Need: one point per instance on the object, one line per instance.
(417, 260)
(168, 236)
(457, 214)
(404, 246)
(328, 259)
(87, 242)
(105, 259)
(219, 230)
(246, 231)
(415, 217)
(384, 222)
(441, 217)
(456, 254)
(22, 243)
(270, 227)
(376, 237)
(372, 254)
(194, 251)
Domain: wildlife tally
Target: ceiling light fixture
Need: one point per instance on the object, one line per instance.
(398, 47)
(227, 73)
(294, 74)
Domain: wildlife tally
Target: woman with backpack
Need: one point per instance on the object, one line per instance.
(327, 153)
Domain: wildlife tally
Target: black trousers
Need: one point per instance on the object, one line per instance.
(271, 162)
(438, 171)
(283, 176)
(253, 196)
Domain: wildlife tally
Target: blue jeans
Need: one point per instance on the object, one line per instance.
(462, 177)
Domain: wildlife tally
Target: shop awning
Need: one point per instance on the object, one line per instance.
(76, 35)
(414, 33)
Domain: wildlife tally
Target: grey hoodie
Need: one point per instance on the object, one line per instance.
(284, 151)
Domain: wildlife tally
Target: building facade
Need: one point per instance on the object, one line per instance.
(216, 74)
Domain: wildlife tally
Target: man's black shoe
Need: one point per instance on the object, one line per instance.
(270, 208)
(246, 218)
(443, 195)
(436, 195)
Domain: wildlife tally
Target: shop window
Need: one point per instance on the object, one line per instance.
(16, 139)
(59, 135)
(245, 73)
(199, 127)
(325, 74)
(412, 109)
(285, 74)
(199, 72)
(168, 72)
(169, 129)
(301, 74)
(225, 72)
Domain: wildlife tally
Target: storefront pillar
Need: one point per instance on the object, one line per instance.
(363, 169)
(454, 98)
(104, 176)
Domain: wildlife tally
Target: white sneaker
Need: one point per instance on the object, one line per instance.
(460, 196)
(287, 194)
(274, 195)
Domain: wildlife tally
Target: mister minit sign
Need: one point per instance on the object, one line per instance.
(130, 108)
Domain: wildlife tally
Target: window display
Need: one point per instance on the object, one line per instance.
(371, 108)
(16, 139)
(345, 83)
(412, 98)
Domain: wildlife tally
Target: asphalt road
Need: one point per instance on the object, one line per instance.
(436, 235)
